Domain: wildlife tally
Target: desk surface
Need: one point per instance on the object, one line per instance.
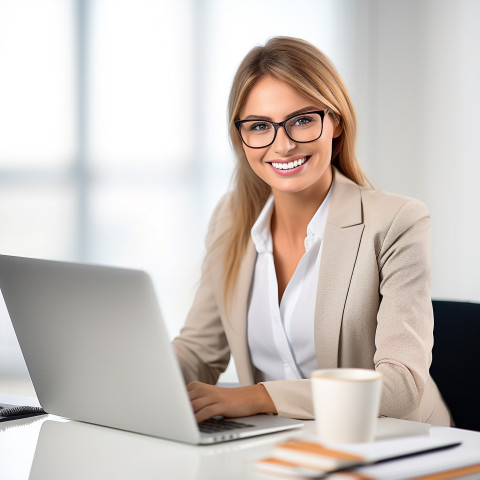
(54, 448)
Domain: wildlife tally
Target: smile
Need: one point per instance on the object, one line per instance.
(289, 165)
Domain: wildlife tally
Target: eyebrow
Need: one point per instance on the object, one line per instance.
(292, 114)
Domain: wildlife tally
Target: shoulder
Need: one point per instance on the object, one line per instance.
(386, 207)
(388, 219)
(395, 221)
(354, 203)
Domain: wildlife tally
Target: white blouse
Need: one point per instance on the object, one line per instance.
(280, 337)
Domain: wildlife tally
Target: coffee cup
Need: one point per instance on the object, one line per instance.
(346, 404)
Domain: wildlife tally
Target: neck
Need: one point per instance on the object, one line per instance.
(293, 212)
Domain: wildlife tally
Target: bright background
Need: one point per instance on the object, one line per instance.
(113, 139)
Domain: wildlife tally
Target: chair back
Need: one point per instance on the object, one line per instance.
(456, 359)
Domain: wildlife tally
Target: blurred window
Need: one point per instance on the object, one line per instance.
(105, 151)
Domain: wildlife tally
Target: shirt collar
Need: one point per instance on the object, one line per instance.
(262, 236)
(316, 226)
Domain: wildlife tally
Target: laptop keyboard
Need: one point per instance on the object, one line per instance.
(214, 425)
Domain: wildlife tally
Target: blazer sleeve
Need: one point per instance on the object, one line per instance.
(404, 334)
(292, 398)
(201, 347)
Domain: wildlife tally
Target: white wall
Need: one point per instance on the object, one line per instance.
(413, 68)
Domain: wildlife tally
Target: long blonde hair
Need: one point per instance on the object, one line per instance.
(305, 68)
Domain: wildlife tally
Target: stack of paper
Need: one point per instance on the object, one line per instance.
(301, 458)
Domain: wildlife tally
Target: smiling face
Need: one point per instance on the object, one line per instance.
(287, 166)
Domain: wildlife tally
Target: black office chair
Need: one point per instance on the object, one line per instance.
(456, 360)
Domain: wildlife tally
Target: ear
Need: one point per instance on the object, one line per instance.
(338, 128)
(337, 124)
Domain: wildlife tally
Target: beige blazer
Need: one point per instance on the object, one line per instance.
(373, 307)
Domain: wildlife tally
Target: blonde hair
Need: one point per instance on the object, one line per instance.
(305, 68)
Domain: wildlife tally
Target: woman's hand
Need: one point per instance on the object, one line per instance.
(210, 400)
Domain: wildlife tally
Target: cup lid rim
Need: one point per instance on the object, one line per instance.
(347, 374)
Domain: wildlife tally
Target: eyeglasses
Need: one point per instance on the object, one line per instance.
(304, 128)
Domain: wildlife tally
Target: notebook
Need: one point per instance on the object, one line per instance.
(97, 350)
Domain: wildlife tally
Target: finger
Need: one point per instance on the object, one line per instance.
(208, 412)
(192, 386)
(193, 383)
(202, 390)
(202, 402)
(195, 390)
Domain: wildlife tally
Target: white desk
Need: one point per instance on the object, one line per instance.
(49, 447)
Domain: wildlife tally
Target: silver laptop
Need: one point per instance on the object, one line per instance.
(97, 351)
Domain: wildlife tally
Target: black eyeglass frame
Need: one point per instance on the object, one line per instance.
(276, 126)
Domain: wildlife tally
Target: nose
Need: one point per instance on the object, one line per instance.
(283, 143)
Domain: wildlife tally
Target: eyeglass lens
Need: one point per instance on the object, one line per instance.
(302, 128)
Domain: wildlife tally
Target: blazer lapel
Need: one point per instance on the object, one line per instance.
(341, 242)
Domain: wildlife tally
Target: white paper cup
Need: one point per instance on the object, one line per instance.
(346, 403)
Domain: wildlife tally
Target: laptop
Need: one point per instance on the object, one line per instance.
(97, 351)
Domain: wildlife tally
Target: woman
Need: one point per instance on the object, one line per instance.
(307, 266)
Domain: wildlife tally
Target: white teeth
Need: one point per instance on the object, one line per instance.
(289, 165)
